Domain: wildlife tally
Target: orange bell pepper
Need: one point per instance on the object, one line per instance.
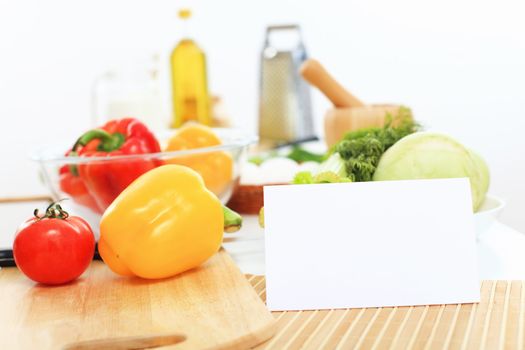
(216, 168)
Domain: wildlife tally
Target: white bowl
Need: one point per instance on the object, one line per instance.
(487, 214)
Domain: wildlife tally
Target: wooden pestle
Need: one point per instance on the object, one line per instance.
(349, 113)
(313, 72)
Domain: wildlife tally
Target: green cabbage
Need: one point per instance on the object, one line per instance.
(484, 171)
(428, 155)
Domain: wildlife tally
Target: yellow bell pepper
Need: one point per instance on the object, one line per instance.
(162, 224)
(216, 168)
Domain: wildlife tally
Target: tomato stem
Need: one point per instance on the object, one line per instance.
(53, 211)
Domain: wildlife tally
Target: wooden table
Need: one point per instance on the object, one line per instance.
(497, 322)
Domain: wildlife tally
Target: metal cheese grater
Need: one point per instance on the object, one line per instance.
(285, 113)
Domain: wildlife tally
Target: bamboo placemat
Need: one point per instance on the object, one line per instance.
(497, 322)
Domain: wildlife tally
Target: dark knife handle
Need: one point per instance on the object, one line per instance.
(7, 262)
(6, 254)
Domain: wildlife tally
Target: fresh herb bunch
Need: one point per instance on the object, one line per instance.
(361, 150)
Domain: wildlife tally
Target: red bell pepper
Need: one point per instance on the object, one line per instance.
(124, 137)
(73, 185)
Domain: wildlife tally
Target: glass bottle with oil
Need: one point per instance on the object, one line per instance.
(190, 96)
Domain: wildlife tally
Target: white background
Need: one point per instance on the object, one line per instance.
(460, 65)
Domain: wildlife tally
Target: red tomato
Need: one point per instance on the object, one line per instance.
(55, 249)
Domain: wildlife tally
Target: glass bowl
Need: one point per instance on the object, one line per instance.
(52, 162)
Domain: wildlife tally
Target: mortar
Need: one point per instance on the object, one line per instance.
(339, 121)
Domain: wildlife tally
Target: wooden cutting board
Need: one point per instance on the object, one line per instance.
(211, 307)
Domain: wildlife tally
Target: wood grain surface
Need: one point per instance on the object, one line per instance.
(211, 307)
(497, 322)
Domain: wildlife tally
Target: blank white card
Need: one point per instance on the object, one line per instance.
(370, 244)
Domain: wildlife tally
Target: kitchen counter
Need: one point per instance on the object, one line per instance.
(501, 250)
